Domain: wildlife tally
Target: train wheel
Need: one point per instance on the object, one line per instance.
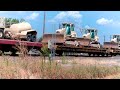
(107, 55)
(98, 55)
(60, 53)
(93, 54)
(89, 54)
(111, 55)
(13, 53)
(103, 55)
(114, 54)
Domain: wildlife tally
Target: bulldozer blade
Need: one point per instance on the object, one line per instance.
(110, 45)
(58, 38)
(83, 41)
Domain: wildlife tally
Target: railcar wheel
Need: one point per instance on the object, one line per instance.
(13, 53)
(93, 55)
(107, 55)
(89, 54)
(103, 55)
(98, 55)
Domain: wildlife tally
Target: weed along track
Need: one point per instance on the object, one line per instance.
(59, 68)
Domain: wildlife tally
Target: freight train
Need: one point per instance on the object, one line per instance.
(65, 41)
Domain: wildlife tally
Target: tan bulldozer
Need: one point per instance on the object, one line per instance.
(66, 34)
(63, 33)
(58, 38)
(114, 43)
(89, 38)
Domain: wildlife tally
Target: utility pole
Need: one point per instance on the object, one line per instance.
(44, 23)
(110, 37)
(104, 38)
(59, 26)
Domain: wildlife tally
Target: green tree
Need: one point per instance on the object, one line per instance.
(8, 19)
(11, 21)
(14, 21)
(8, 22)
(22, 20)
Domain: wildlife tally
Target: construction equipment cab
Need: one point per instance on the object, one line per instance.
(91, 34)
(114, 43)
(67, 29)
(116, 38)
(17, 31)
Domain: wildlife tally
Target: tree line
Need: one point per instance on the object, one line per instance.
(13, 21)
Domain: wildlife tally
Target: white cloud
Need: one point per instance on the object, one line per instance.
(33, 16)
(87, 26)
(74, 14)
(108, 22)
(61, 15)
(67, 16)
(104, 21)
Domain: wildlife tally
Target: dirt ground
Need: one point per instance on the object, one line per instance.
(68, 60)
(82, 60)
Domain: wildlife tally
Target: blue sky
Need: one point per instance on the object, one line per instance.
(107, 22)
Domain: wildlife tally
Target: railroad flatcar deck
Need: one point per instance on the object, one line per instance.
(89, 50)
(7, 45)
